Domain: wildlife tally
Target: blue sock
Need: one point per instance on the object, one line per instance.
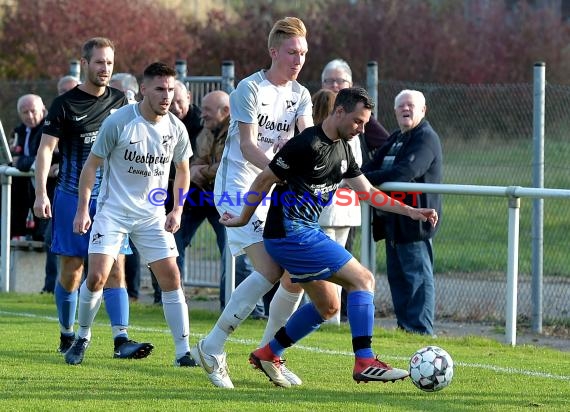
(304, 321)
(360, 311)
(66, 304)
(117, 306)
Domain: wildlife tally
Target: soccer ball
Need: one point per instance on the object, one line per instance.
(431, 369)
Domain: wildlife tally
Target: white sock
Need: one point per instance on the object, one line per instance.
(176, 314)
(89, 304)
(238, 308)
(282, 306)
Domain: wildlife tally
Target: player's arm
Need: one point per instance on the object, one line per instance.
(42, 206)
(180, 188)
(257, 191)
(82, 220)
(304, 121)
(248, 145)
(382, 201)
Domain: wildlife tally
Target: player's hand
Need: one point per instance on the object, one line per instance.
(229, 220)
(279, 144)
(42, 207)
(172, 223)
(81, 223)
(197, 177)
(425, 215)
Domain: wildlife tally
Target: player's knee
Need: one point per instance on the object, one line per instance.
(330, 312)
(96, 281)
(364, 280)
(329, 309)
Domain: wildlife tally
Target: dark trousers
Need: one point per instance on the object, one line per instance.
(189, 224)
(133, 272)
(409, 268)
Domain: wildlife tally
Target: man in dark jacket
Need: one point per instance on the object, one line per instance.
(27, 135)
(412, 154)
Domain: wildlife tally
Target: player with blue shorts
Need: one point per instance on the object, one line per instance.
(71, 125)
(306, 173)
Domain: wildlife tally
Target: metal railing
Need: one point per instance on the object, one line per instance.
(512, 193)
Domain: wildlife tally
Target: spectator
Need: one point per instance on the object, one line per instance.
(127, 83)
(188, 112)
(26, 140)
(337, 75)
(203, 167)
(66, 83)
(412, 154)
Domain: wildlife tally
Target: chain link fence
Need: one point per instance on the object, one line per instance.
(487, 138)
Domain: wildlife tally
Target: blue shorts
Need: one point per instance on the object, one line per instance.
(310, 256)
(64, 241)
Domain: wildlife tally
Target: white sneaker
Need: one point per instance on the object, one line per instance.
(290, 376)
(215, 366)
(271, 367)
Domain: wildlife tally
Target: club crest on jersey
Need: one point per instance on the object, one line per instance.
(343, 166)
(281, 163)
(97, 238)
(290, 105)
(257, 225)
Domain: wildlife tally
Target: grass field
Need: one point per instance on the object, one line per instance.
(489, 376)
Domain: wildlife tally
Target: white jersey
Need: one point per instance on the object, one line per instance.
(137, 157)
(275, 110)
(343, 215)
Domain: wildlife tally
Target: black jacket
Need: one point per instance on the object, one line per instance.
(24, 163)
(419, 160)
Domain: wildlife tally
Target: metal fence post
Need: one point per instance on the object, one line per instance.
(367, 245)
(228, 76)
(181, 69)
(538, 204)
(372, 84)
(6, 182)
(512, 271)
(75, 69)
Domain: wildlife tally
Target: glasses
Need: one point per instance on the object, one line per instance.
(340, 82)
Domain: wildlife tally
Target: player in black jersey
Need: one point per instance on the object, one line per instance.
(308, 171)
(72, 124)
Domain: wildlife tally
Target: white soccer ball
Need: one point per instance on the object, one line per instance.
(431, 369)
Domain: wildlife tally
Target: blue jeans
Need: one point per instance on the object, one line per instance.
(409, 267)
(189, 224)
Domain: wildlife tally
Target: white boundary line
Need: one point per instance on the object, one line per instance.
(250, 342)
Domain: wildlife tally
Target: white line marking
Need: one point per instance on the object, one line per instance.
(251, 342)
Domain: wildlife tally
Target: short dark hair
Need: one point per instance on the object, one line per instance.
(158, 69)
(95, 43)
(348, 98)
